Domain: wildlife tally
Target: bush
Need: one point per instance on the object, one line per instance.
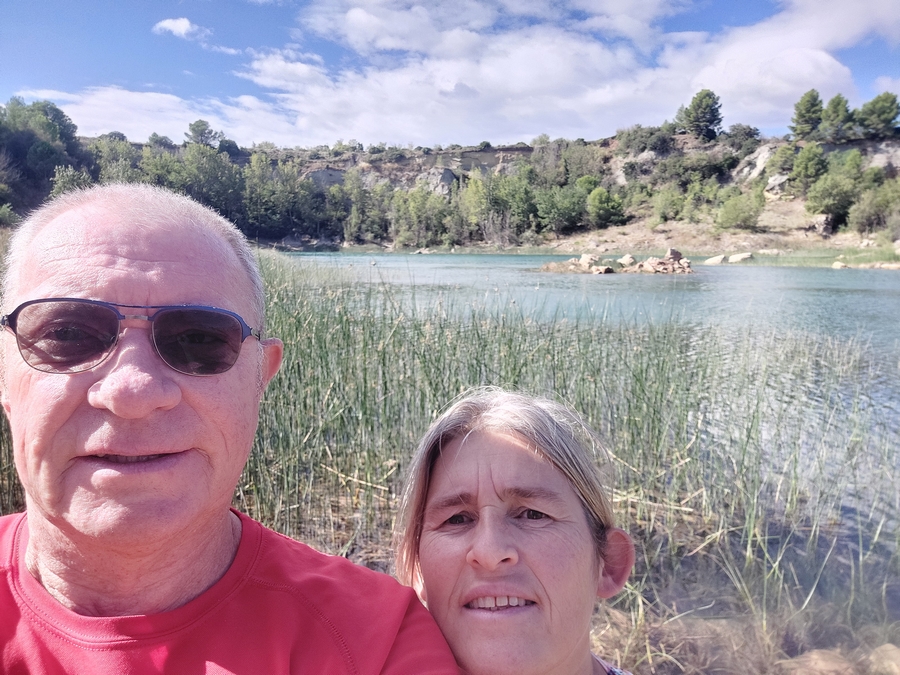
(638, 139)
(875, 207)
(667, 204)
(741, 211)
(783, 160)
(833, 194)
(8, 217)
(604, 209)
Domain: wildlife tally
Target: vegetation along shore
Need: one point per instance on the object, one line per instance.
(832, 183)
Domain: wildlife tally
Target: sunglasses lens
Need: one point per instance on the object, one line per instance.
(197, 341)
(65, 337)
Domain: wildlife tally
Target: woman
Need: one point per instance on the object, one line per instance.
(507, 534)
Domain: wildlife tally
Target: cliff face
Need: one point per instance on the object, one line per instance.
(438, 170)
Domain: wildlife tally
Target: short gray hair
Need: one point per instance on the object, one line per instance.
(144, 205)
(553, 431)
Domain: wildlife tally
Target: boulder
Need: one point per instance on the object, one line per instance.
(715, 260)
(602, 269)
(816, 662)
(823, 224)
(776, 184)
(885, 660)
(628, 260)
(673, 254)
(587, 259)
(838, 265)
(740, 257)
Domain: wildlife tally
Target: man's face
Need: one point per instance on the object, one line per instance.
(131, 447)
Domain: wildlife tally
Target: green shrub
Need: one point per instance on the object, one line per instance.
(833, 194)
(8, 217)
(741, 211)
(667, 204)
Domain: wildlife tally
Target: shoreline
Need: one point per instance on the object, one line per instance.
(786, 235)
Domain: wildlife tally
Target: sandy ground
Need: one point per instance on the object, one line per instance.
(783, 225)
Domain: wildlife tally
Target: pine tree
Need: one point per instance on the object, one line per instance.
(703, 117)
(877, 118)
(837, 121)
(807, 116)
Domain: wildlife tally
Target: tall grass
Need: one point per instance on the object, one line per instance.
(757, 472)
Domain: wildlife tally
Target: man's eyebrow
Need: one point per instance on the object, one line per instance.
(458, 499)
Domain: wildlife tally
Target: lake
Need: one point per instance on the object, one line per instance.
(844, 304)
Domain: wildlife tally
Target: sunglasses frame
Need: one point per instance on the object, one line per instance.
(9, 321)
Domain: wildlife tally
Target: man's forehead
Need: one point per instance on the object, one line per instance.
(99, 236)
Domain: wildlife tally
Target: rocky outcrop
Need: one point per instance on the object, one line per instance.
(588, 263)
(672, 263)
(740, 257)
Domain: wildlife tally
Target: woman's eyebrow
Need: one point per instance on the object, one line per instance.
(451, 501)
(537, 492)
(458, 499)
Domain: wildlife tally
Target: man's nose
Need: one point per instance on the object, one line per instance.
(492, 544)
(134, 381)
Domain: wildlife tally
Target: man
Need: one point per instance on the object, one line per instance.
(133, 363)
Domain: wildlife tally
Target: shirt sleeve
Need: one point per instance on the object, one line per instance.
(420, 648)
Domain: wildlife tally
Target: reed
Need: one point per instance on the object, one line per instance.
(756, 471)
(753, 469)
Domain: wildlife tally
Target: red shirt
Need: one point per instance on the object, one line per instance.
(281, 607)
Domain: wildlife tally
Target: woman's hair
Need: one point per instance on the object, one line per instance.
(553, 431)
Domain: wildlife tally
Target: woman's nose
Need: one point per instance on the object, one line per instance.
(492, 544)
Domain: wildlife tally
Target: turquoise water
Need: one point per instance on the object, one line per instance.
(843, 304)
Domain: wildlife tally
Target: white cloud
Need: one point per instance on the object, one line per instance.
(182, 28)
(506, 70)
(884, 83)
(186, 30)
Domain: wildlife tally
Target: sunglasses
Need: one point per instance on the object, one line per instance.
(71, 335)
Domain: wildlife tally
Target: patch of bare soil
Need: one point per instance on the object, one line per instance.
(783, 225)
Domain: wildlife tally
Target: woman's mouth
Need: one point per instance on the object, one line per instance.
(495, 603)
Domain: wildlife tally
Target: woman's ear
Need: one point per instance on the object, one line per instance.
(617, 562)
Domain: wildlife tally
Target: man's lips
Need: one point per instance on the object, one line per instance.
(498, 602)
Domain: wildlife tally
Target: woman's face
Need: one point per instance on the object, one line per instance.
(508, 562)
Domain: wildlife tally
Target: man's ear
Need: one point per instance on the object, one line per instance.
(273, 352)
(617, 562)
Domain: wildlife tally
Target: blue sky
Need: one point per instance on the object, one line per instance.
(303, 73)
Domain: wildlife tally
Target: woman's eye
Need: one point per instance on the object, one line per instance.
(457, 519)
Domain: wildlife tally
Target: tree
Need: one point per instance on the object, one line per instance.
(876, 119)
(809, 166)
(703, 117)
(211, 179)
(117, 158)
(807, 115)
(157, 141)
(837, 121)
(741, 211)
(201, 133)
(604, 209)
(68, 178)
(833, 194)
(783, 160)
(742, 138)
